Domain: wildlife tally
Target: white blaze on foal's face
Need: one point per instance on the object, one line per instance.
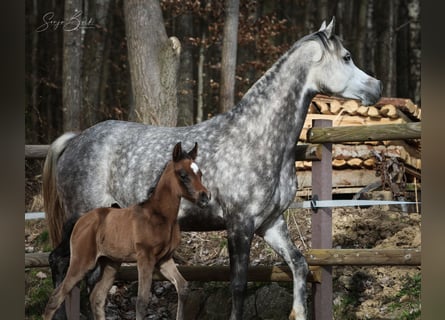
(194, 167)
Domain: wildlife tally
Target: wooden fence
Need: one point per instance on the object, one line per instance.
(321, 257)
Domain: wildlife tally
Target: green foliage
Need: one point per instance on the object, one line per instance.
(407, 302)
(43, 241)
(344, 310)
(37, 292)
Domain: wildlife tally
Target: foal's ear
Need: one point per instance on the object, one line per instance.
(177, 152)
(194, 152)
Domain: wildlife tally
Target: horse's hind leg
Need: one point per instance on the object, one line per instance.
(239, 235)
(277, 236)
(99, 293)
(171, 272)
(59, 260)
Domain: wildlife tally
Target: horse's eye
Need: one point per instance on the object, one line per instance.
(347, 57)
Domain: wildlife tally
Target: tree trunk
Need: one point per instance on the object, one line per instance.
(322, 11)
(200, 102)
(72, 56)
(154, 61)
(360, 38)
(414, 49)
(385, 45)
(185, 85)
(93, 61)
(228, 63)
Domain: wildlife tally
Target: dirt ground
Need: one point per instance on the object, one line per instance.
(359, 292)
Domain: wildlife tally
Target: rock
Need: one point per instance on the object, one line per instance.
(273, 302)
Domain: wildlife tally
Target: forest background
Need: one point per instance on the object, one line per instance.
(79, 53)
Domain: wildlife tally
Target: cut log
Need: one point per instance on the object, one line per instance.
(351, 107)
(322, 106)
(389, 111)
(363, 111)
(312, 108)
(355, 162)
(369, 163)
(335, 106)
(338, 163)
(373, 112)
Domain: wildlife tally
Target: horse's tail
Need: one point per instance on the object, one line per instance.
(51, 201)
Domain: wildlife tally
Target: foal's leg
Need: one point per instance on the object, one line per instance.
(99, 294)
(277, 236)
(76, 271)
(171, 272)
(239, 235)
(145, 264)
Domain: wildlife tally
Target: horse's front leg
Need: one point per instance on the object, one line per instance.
(171, 272)
(239, 236)
(145, 264)
(277, 236)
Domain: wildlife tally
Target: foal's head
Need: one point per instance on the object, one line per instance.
(189, 175)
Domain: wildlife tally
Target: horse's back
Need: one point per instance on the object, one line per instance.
(113, 162)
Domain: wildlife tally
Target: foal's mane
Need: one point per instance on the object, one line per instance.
(154, 184)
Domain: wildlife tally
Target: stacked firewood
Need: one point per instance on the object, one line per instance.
(347, 112)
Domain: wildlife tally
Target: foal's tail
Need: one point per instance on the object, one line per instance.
(51, 200)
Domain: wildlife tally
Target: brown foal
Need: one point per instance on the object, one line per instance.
(147, 233)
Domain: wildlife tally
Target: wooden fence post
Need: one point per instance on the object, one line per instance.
(322, 226)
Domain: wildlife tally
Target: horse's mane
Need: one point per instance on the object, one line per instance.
(333, 40)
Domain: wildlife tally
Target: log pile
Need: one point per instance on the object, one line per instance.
(392, 108)
(362, 156)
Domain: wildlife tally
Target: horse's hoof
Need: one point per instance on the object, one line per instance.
(293, 316)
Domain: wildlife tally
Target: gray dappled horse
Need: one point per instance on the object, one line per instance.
(247, 157)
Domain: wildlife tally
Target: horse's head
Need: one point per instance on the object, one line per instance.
(189, 176)
(333, 71)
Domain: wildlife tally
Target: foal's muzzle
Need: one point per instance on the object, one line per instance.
(203, 199)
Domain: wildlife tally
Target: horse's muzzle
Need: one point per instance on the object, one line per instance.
(203, 199)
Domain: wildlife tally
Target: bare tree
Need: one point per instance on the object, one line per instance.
(72, 56)
(228, 63)
(154, 61)
(93, 61)
(185, 85)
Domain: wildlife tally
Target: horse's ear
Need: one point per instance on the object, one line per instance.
(177, 152)
(194, 152)
(329, 30)
(323, 26)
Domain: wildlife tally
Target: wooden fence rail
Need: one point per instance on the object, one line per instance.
(314, 257)
(381, 132)
(305, 152)
(316, 136)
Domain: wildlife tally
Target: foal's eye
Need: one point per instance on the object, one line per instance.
(347, 57)
(182, 174)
